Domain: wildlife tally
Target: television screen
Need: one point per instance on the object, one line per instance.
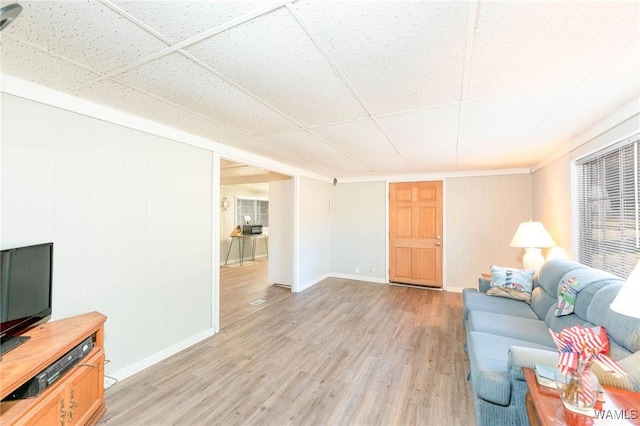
(25, 287)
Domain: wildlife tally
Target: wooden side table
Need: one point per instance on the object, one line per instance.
(544, 406)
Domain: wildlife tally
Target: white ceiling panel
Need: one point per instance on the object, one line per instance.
(439, 160)
(121, 97)
(429, 129)
(316, 151)
(182, 81)
(363, 139)
(623, 62)
(284, 68)
(453, 85)
(476, 158)
(520, 47)
(399, 55)
(585, 106)
(302, 143)
(88, 33)
(179, 20)
(31, 64)
(506, 121)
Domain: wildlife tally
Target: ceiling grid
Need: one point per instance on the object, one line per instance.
(345, 89)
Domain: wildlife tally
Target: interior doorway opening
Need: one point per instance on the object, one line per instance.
(251, 231)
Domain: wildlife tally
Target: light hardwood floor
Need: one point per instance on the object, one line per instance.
(241, 285)
(343, 352)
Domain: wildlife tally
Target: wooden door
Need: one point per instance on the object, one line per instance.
(415, 233)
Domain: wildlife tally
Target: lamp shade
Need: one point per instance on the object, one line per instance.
(627, 300)
(532, 235)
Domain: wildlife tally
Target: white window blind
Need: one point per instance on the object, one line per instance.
(608, 227)
(258, 210)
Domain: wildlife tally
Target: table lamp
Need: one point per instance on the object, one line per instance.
(626, 302)
(532, 237)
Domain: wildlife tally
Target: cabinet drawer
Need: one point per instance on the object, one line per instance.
(74, 398)
(85, 389)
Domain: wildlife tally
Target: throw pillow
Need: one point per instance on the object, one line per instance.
(511, 282)
(567, 291)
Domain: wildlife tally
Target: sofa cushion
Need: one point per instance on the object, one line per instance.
(557, 324)
(576, 289)
(552, 272)
(488, 358)
(473, 300)
(511, 282)
(529, 329)
(621, 328)
(585, 297)
(541, 302)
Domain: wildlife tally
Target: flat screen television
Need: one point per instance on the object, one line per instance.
(25, 291)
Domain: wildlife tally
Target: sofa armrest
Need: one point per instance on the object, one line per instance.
(522, 357)
(484, 284)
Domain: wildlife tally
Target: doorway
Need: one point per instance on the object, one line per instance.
(415, 233)
(246, 284)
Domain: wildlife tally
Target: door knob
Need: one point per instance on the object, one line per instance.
(438, 243)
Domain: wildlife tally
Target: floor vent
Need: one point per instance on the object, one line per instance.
(257, 302)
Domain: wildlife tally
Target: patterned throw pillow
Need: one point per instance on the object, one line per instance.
(511, 282)
(567, 291)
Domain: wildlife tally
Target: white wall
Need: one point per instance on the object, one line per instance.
(130, 216)
(314, 232)
(481, 215)
(281, 231)
(552, 203)
(358, 237)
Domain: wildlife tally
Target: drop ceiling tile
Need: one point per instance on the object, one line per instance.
(25, 62)
(588, 104)
(179, 20)
(319, 154)
(624, 62)
(302, 144)
(433, 160)
(123, 98)
(272, 57)
(424, 130)
(337, 166)
(363, 139)
(527, 46)
(503, 157)
(509, 120)
(398, 55)
(126, 99)
(180, 80)
(88, 33)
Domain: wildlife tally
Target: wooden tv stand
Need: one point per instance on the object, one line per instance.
(78, 396)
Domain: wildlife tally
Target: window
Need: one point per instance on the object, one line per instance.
(608, 210)
(258, 210)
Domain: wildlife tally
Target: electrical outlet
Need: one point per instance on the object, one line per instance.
(109, 381)
(357, 270)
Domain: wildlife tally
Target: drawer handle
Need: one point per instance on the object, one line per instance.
(63, 414)
(72, 406)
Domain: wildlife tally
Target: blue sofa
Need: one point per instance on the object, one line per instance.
(504, 335)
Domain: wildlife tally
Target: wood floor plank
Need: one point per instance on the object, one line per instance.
(241, 285)
(343, 352)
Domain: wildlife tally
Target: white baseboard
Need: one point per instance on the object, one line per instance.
(306, 285)
(454, 289)
(360, 278)
(237, 261)
(157, 357)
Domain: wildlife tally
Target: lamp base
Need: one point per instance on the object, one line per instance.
(533, 259)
